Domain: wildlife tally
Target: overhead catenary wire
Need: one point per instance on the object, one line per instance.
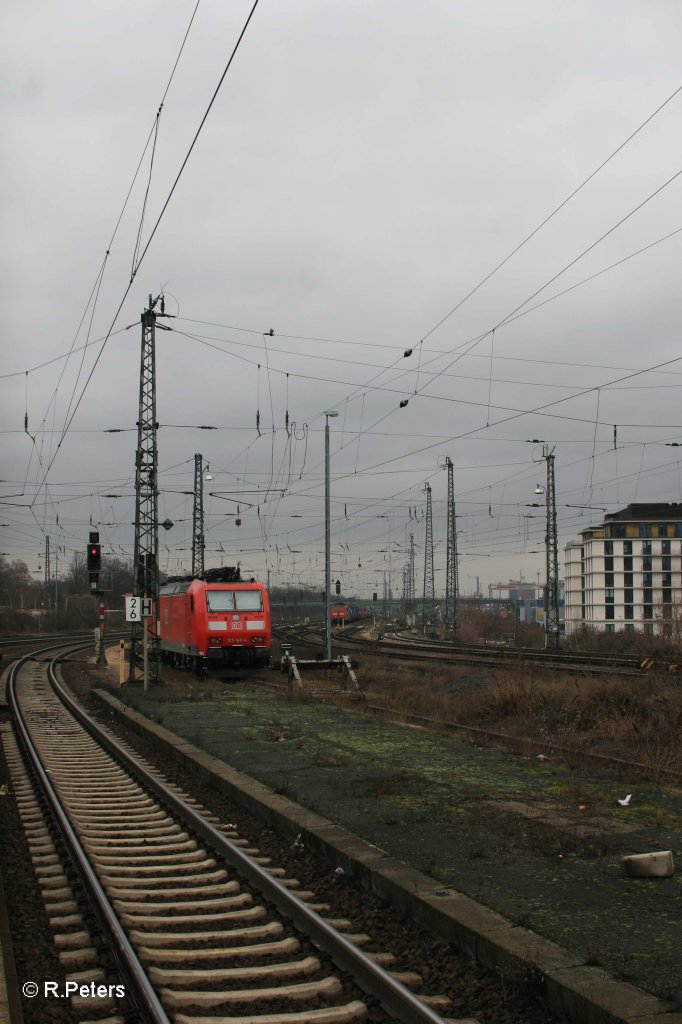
(421, 380)
(510, 316)
(551, 215)
(92, 299)
(155, 228)
(367, 344)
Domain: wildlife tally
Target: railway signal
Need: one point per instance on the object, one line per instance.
(94, 553)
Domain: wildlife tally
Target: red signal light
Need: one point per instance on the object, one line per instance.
(94, 557)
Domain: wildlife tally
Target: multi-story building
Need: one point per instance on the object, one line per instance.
(626, 573)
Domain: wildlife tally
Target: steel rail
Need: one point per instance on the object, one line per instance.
(417, 648)
(132, 971)
(370, 977)
(49, 638)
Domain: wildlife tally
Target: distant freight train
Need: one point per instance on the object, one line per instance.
(217, 622)
(343, 613)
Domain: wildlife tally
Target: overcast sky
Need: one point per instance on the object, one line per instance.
(365, 167)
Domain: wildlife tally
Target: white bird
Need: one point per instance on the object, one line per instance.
(625, 801)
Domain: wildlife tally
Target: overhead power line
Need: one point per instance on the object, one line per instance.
(151, 236)
(551, 215)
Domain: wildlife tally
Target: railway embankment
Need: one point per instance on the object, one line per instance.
(535, 842)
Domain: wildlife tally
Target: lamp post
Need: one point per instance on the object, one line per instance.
(327, 555)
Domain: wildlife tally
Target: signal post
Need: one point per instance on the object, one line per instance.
(94, 558)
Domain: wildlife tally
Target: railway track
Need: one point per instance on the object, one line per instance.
(409, 647)
(181, 919)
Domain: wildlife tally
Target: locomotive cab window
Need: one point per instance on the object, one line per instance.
(220, 600)
(248, 600)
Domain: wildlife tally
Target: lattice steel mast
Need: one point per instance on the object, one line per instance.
(451, 568)
(428, 609)
(410, 579)
(198, 518)
(47, 573)
(552, 628)
(145, 554)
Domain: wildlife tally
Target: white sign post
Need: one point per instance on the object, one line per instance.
(137, 610)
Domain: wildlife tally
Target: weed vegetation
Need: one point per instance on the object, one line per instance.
(632, 719)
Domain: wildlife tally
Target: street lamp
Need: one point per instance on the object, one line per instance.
(327, 556)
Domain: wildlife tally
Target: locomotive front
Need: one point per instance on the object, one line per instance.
(212, 623)
(234, 624)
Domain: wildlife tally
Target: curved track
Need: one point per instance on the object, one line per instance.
(197, 927)
(411, 647)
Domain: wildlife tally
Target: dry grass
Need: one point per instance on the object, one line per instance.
(632, 719)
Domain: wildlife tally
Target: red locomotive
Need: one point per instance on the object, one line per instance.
(216, 622)
(345, 613)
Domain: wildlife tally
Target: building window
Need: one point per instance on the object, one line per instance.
(667, 596)
(610, 628)
(627, 564)
(609, 612)
(608, 564)
(665, 547)
(647, 565)
(608, 595)
(649, 628)
(666, 563)
(627, 596)
(629, 612)
(608, 547)
(627, 547)
(608, 579)
(648, 597)
(648, 613)
(629, 628)
(647, 579)
(646, 546)
(628, 580)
